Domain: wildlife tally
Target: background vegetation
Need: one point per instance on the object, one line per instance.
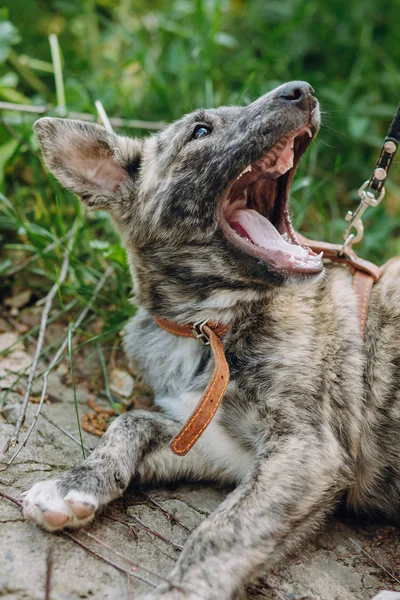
(155, 60)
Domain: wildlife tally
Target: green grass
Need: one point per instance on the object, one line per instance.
(155, 60)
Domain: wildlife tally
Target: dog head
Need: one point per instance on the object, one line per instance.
(202, 205)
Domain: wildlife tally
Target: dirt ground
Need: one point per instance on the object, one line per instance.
(136, 541)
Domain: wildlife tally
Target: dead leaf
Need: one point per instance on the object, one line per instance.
(97, 421)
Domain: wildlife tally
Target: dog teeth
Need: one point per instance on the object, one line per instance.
(270, 159)
(308, 130)
(246, 170)
(303, 261)
(317, 258)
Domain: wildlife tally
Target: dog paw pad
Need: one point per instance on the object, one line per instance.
(82, 510)
(46, 505)
(55, 519)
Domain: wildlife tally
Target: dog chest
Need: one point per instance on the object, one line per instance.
(228, 457)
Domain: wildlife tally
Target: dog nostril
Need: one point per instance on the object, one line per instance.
(294, 94)
(297, 93)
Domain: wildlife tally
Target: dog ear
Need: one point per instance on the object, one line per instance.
(100, 167)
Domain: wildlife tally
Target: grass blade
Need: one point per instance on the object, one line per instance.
(71, 370)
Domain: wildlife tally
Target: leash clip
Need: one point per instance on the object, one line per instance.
(374, 185)
(199, 333)
(355, 219)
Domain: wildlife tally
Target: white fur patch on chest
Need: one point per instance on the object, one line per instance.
(227, 456)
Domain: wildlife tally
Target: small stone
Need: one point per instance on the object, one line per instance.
(62, 369)
(121, 383)
(19, 300)
(9, 338)
(369, 581)
(15, 360)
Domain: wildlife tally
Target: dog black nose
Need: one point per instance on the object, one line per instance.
(297, 93)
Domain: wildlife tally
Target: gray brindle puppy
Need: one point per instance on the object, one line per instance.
(311, 413)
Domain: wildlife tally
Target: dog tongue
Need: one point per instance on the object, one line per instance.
(249, 223)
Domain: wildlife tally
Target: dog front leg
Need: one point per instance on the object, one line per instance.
(136, 444)
(285, 496)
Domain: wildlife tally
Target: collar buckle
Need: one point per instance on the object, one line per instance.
(199, 333)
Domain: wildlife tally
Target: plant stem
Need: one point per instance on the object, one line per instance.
(58, 74)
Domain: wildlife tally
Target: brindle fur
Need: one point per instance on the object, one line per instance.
(311, 414)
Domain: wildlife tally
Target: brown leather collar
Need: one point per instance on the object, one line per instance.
(365, 273)
(209, 333)
(195, 330)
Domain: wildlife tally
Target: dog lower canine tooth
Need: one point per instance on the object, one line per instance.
(311, 413)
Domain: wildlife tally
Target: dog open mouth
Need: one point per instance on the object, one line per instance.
(255, 216)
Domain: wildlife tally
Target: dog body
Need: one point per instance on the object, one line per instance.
(311, 412)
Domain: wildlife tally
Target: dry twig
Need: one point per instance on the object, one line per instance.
(257, 589)
(55, 360)
(31, 259)
(87, 548)
(156, 534)
(135, 565)
(375, 561)
(10, 498)
(174, 545)
(106, 560)
(49, 570)
(130, 591)
(130, 573)
(115, 121)
(164, 510)
(103, 116)
(65, 432)
(13, 441)
(132, 564)
(34, 257)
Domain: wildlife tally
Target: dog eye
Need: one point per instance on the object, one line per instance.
(201, 131)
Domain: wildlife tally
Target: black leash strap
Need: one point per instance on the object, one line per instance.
(387, 155)
(372, 191)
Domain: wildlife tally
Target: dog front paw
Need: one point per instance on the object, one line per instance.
(46, 505)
